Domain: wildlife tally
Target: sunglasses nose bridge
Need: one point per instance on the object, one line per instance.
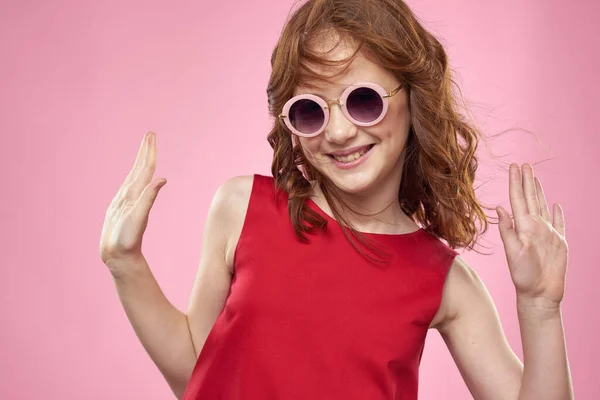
(334, 100)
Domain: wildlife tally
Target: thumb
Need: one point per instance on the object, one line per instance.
(505, 225)
(148, 196)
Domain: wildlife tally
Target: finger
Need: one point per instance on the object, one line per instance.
(531, 198)
(147, 198)
(146, 170)
(505, 225)
(139, 160)
(559, 220)
(123, 194)
(504, 221)
(517, 199)
(142, 173)
(545, 213)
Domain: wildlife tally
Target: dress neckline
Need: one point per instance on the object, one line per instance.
(315, 206)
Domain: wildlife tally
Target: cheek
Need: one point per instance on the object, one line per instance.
(310, 146)
(398, 128)
(399, 114)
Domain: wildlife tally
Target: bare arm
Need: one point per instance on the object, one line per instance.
(161, 328)
(547, 371)
(473, 333)
(536, 253)
(213, 280)
(172, 338)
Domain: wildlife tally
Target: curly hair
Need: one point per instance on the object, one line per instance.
(436, 189)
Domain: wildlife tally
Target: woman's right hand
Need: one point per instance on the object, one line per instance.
(127, 216)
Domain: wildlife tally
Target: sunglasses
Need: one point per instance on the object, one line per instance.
(364, 104)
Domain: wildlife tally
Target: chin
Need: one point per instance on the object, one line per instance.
(352, 183)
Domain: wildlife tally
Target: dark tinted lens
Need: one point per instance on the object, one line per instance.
(364, 104)
(307, 116)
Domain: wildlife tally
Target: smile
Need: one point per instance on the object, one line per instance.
(353, 159)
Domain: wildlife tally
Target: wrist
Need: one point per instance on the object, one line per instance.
(538, 307)
(123, 268)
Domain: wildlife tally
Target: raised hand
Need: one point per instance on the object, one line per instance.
(536, 247)
(127, 216)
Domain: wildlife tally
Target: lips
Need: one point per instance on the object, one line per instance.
(353, 160)
(351, 150)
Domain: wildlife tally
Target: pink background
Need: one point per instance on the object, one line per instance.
(81, 82)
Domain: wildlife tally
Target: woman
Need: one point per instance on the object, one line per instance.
(323, 280)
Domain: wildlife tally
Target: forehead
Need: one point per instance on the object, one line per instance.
(360, 69)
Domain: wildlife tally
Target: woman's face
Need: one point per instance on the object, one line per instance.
(382, 164)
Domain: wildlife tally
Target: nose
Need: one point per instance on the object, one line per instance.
(339, 129)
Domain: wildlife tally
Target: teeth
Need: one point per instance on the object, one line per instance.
(348, 158)
(351, 157)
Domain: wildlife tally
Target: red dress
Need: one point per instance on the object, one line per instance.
(317, 320)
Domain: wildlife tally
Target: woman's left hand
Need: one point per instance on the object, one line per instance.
(536, 248)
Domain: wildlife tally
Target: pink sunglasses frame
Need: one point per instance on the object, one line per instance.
(342, 103)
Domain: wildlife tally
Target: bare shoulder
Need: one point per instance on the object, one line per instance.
(230, 204)
(462, 284)
(213, 280)
(234, 191)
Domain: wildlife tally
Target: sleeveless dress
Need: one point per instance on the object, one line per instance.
(318, 320)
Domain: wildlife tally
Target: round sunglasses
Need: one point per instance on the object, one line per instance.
(364, 104)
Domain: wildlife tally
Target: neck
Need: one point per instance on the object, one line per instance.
(380, 206)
